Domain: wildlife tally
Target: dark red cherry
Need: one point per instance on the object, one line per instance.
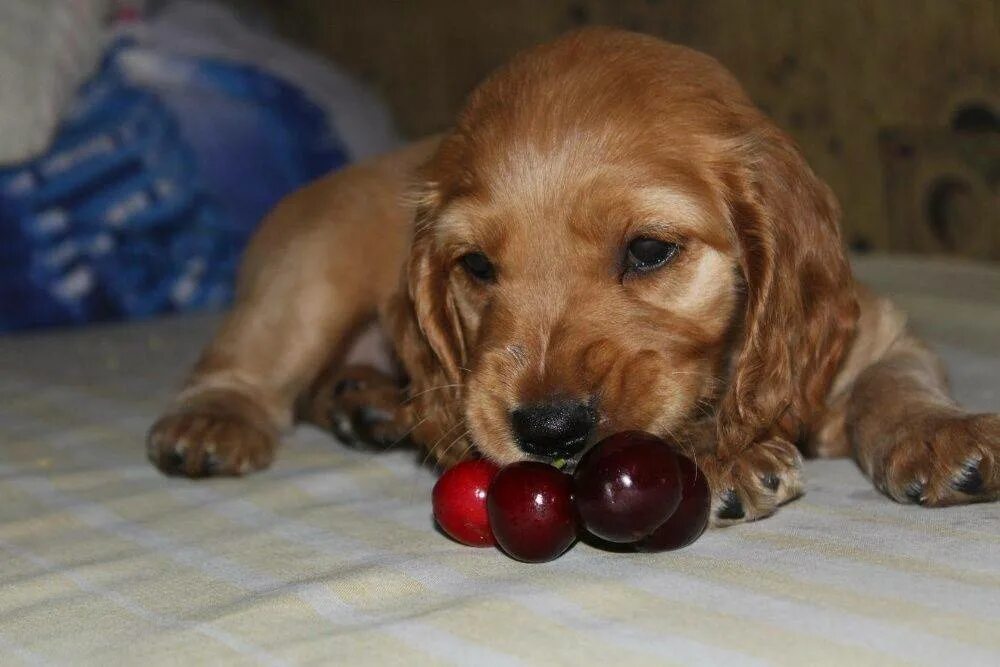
(690, 518)
(459, 501)
(530, 506)
(626, 486)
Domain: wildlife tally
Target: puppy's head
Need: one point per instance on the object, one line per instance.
(613, 237)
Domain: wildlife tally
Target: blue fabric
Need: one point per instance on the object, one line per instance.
(152, 187)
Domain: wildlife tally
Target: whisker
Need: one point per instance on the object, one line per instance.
(468, 448)
(404, 436)
(430, 449)
(671, 436)
(420, 393)
(686, 448)
(705, 407)
(453, 443)
(672, 373)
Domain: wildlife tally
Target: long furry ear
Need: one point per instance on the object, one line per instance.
(433, 305)
(424, 324)
(800, 310)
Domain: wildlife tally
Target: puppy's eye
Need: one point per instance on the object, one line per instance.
(645, 254)
(478, 265)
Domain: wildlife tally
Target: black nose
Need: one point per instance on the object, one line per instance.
(553, 429)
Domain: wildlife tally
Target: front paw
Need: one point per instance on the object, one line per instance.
(943, 460)
(205, 443)
(753, 483)
(362, 405)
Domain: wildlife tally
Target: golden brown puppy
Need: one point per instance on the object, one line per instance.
(611, 237)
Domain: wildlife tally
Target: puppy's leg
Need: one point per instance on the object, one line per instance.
(914, 442)
(890, 409)
(228, 418)
(753, 483)
(317, 269)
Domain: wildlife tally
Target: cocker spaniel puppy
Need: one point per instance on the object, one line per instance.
(611, 237)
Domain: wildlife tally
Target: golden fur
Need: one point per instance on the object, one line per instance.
(751, 344)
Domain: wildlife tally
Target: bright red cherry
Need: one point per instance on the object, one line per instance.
(690, 518)
(626, 486)
(531, 511)
(459, 501)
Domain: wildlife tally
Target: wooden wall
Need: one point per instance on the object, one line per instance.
(836, 73)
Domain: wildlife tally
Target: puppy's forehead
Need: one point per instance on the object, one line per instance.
(576, 190)
(536, 175)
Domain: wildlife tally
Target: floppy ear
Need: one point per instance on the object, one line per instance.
(424, 324)
(800, 304)
(433, 305)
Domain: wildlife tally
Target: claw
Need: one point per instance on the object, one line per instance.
(970, 480)
(173, 462)
(347, 384)
(731, 507)
(915, 491)
(771, 481)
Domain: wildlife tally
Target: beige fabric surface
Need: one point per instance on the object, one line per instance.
(330, 557)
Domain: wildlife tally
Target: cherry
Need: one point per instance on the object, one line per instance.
(626, 486)
(459, 501)
(690, 518)
(530, 506)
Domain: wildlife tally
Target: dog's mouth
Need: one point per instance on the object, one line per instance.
(554, 451)
(567, 465)
(566, 458)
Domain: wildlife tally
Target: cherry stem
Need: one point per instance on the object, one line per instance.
(559, 464)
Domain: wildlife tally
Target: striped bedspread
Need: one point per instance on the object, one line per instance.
(330, 557)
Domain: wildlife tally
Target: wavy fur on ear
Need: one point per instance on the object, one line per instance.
(800, 311)
(424, 324)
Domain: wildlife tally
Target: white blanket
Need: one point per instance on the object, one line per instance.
(331, 558)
